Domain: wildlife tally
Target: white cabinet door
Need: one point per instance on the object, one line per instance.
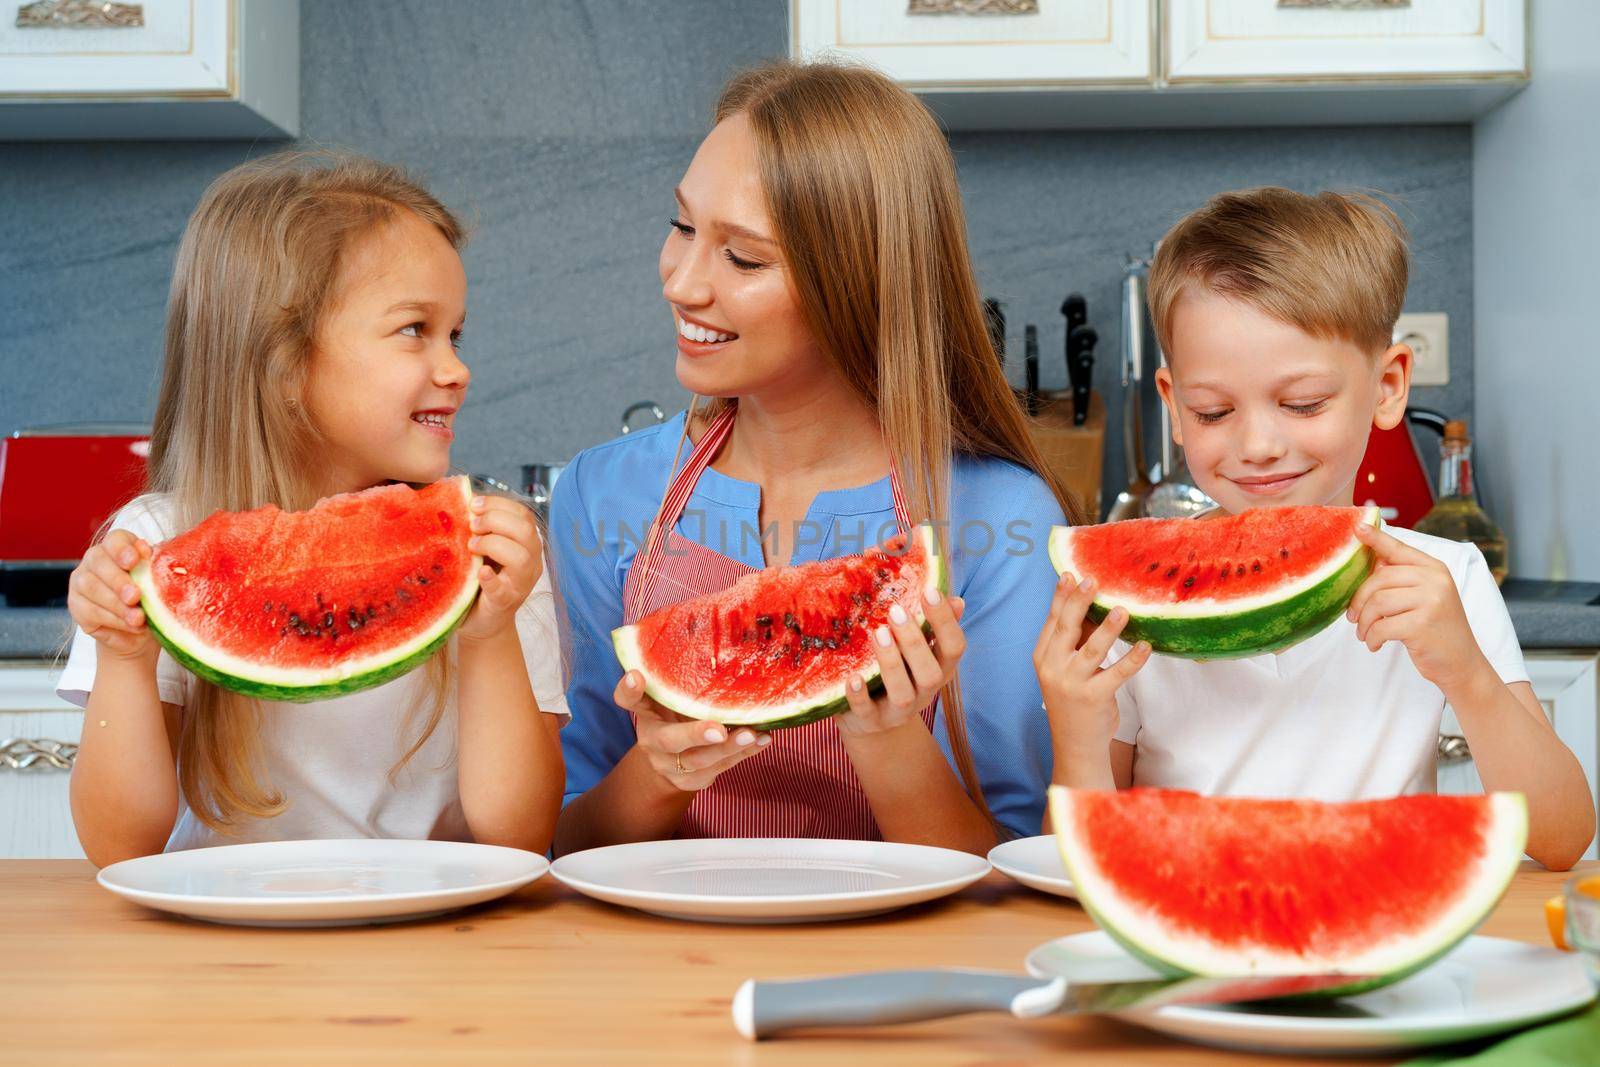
(1065, 43)
(188, 68)
(1568, 686)
(38, 734)
(1325, 40)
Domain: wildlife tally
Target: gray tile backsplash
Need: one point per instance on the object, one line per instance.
(559, 129)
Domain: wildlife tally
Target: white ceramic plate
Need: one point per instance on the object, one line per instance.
(323, 883)
(1487, 985)
(768, 880)
(1036, 863)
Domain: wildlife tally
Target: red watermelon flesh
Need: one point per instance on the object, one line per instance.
(1213, 588)
(777, 647)
(302, 605)
(1237, 885)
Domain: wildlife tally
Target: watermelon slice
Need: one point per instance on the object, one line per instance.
(1222, 588)
(1235, 886)
(305, 605)
(777, 647)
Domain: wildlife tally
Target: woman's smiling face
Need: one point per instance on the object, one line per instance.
(739, 326)
(1267, 414)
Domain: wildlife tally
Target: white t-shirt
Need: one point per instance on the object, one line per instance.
(1326, 719)
(331, 759)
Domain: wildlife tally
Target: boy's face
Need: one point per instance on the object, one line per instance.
(1267, 415)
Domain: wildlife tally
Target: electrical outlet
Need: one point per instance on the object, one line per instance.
(1428, 334)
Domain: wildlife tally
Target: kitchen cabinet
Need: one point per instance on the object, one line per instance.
(85, 69)
(1264, 41)
(1156, 63)
(1568, 686)
(38, 739)
(1068, 42)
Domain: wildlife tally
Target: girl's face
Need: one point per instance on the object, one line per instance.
(1267, 414)
(739, 325)
(385, 379)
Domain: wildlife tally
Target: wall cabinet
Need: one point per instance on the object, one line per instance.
(75, 69)
(1089, 63)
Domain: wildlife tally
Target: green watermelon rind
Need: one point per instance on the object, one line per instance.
(1268, 625)
(823, 705)
(300, 685)
(1508, 835)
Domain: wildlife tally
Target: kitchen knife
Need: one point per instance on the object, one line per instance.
(1075, 309)
(1030, 357)
(1081, 342)
(762, 1009)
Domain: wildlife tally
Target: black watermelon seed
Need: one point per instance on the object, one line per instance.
(1152, 568)
(789, 622)
(1188, 582)
(294, 620)
(1173, 573)
(327, 620)
(1256, 566)
(422, 579)
(1240, 571)
(833, 642)
(1283, 553)
(763, 620)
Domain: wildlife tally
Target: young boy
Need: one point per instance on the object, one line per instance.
(1276, 310)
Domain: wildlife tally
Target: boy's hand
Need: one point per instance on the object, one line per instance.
(103, 600)
(506, 535)
(1079, 696)
(1411, 598)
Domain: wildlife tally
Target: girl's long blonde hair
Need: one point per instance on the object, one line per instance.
(861, 188)
(255, 276)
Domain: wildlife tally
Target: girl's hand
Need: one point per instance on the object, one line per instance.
(103, 600)
(506, 535)
(914, 668)
(1411, 598)
(1080, 696)
(687, 753)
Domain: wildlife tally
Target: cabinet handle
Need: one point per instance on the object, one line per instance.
(1453, 749)
(42, 754)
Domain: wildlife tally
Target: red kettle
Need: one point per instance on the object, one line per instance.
(1391, 474)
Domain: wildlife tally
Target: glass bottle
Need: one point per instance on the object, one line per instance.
(1456, 514)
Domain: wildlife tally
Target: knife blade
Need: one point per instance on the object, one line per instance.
(762, 1009)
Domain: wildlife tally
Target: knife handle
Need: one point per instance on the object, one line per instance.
(762, 1009)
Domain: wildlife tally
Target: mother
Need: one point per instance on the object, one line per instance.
(826, 312)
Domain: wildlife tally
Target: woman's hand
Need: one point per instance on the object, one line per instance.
(103, 600)
(506, 535)
(1080, 695)
(913, 666)
(687, 754)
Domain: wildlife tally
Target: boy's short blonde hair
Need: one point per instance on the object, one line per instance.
(1333, 265)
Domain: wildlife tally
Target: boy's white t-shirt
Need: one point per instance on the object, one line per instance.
(331, 759)
(1326, 719)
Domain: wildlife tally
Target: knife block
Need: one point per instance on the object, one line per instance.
(1075, 454)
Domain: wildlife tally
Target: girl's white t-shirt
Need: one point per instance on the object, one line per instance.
(1326, 719)
(331, 759)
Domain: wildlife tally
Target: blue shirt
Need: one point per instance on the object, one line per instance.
(997, 540)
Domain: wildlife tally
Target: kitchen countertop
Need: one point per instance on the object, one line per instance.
(544, 976)
(36, 633)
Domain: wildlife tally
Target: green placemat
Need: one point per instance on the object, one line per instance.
(1570, 1042)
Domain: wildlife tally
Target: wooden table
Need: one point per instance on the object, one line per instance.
(544, 976)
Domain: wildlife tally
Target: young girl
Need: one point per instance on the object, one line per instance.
(312, 328)
(821, 296)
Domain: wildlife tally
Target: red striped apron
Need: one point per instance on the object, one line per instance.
(802, 784)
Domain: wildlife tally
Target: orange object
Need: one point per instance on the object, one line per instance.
(1555, 917)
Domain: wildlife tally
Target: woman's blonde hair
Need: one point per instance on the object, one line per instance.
(254, 278)
(861, 187)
